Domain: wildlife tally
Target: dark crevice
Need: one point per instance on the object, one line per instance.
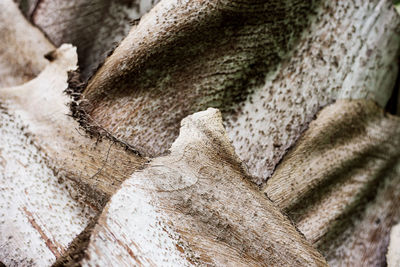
(392, 106)
(302, 131)
(77, 249)
(356, 211)
(34, 9)
(28, 7)
(76, 85)
(25, 8)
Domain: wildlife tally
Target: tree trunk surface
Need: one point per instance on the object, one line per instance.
(221, 133)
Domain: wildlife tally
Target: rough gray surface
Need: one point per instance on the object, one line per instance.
(340, 184)
(195, 206)
(252, 60)
(94, 27)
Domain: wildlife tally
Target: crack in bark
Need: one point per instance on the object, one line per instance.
(52, 246)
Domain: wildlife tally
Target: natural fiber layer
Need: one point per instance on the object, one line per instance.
(196, 207)
(340, 184)
(53, 178)
(95, 27)
(269, 66)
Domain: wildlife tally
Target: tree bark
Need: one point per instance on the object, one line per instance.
(132, 163)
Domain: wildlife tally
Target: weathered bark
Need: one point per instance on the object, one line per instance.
(178, 211)
(340, 184)
(269, 66)
(40, 141)
(285, 243)
(94, 27)
(184, 57)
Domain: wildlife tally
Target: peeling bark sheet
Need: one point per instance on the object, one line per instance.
(93, 26)
(40, 213)
(54, 179)
(134, 233)
(195, 206)
(349, 52)
(269, 66)
(340, 184)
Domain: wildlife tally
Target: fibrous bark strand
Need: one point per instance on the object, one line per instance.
(340, 183)
(196, 206)
(268, 66)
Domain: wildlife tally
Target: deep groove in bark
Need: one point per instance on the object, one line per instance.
(296, 210)
(76, 250)
(293, 145)
(181, 52)
(393, 104)
(75, 88)
(357, 209)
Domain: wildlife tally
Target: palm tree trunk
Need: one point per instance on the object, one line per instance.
(239, 133)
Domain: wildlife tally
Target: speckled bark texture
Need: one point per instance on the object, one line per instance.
(95, 27)
(340, 184)
(104, 171)
(40, 212)
(195, 206)
(53, 179)
(269, 66)
(186, 56)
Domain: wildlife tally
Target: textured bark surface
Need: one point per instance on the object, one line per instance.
(40, 211)
(186, 56)
(196, 206)
(268, 66)
(53, 178)
(42, 105)
(340, 184)
(95, 27)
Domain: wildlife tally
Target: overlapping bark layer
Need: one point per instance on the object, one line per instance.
(196, 207)
(340, 184)
(54, 178)
(269, 66)
(94, 27)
